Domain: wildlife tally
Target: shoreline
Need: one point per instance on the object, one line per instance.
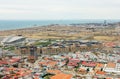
(7, 25)
(91, 31)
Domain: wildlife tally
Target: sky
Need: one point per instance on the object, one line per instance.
(59, 9)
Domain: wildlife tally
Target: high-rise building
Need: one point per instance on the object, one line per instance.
(33, 51)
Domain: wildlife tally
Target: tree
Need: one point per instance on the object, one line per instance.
(101, 69)
(88, 70)
(67, 61)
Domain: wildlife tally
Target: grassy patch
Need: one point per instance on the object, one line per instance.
(44, 44)
(9, 48)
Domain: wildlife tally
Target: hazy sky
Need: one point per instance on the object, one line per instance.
(59, 9)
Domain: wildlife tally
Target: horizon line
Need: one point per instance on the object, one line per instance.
(51, 19)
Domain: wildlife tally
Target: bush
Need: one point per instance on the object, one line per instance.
(47, 77)
(9, 48)
(44, 44)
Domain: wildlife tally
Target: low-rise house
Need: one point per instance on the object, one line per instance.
(99, 66)
(48, 64)
(118, 66)
(89, 64)
(54, 72)
(112, 67)
(73, 62)
(100, 73)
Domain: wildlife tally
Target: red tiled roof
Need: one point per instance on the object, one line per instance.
(13, 60)
(100, 65)
(3, 62)
(111, 65)
(62, 76)
(118, 61)
(73, 62)
(48, 63)
(108, 78)
(54, 71)
(100, 72)
(90, 64)
(109, 44)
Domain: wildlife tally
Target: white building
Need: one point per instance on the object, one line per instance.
(112, 67)
(13, 40)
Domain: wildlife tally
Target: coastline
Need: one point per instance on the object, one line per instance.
(21, 24)
(77, 31)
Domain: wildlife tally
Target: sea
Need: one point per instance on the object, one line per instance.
(19, 24)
